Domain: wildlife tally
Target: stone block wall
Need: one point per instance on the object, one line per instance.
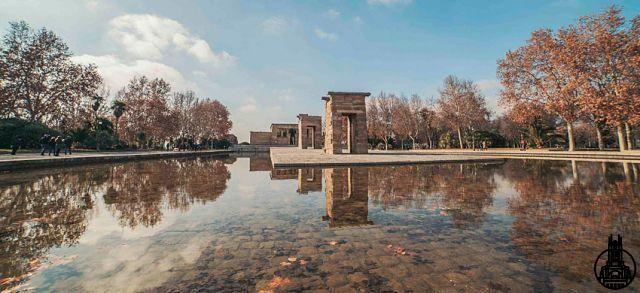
(259, 137)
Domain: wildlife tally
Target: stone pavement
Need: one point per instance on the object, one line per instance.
(293, 157)
(290, 157)
(26, 160)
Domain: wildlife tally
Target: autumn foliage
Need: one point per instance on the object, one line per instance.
(39, 83)
(588, 71)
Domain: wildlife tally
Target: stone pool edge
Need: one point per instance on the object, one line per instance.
(22, 164)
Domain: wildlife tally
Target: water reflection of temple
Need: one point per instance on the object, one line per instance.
(463, 190)
(309, 180)
(347, 197)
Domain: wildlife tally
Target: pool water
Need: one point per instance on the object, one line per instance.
(234, 224)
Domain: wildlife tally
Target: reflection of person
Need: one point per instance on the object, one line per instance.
(17, 143)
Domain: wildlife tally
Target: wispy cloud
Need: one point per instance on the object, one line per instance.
(250, 106)
(357, 20)
(325, 35)
(332, 13)
(488, 84)
(148, 36)
(274, 25)
(388, 2)
(92, 5)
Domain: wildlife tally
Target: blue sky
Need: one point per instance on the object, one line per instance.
(270, 60)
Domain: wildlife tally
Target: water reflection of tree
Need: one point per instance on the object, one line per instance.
(137, 193)
(463, 190)
(51, 211)
(562, 221)
(466, 191)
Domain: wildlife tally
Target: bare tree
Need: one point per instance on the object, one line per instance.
(462, 106)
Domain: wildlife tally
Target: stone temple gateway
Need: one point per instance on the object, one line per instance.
(309, 131)
(345, 113)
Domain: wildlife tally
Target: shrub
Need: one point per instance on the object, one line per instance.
(30, 132)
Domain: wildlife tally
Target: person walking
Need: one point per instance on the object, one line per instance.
(67, 145)
(57, 144)
(44, 143)
(51, 144)
(17, 143)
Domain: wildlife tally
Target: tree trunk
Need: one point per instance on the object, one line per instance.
(600, 140)
(386, 144)
(627, 129)
(413, 143)
(621, 141)
(460, 138)
(572, 143)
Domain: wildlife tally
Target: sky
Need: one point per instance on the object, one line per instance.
(271, 60)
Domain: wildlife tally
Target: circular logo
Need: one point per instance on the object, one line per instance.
(615, 268)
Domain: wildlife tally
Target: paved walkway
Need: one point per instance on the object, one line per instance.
(294, 157)
(27, 160)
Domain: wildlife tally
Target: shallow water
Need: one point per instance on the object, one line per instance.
(235, 224)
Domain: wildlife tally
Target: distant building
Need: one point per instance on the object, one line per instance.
(280, 134)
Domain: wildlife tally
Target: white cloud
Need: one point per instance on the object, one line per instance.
(250, 106)
(285, 95)
(92, 5)
(491, 89)
(488, 84)
(116, 74)
(332, 13)
(274, 25)
(325, 35)
(388, 2)
(149, 36)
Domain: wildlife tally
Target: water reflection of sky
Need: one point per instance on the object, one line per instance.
(234, 224)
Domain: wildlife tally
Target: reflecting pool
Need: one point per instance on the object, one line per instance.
(234, 224)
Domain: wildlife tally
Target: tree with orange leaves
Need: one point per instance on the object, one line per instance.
(212, 119)
(539, 73)
(607, 61)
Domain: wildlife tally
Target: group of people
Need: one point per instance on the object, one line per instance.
(53, 144)
(182, 144)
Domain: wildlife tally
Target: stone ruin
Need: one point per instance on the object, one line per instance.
(345, 112)
(309, 131)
